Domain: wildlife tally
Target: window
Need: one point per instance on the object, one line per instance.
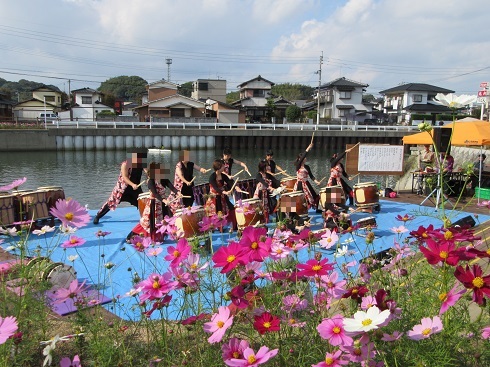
(259, 93)
(342, 113)
(203, 86)
(86, 100)
(345, 94)
(417, 97)
(49, 98)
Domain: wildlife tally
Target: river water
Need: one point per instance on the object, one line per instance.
(89, 177)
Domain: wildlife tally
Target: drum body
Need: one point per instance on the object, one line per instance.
(9, 210)
(59, 275)
(52, 194)
(249, 213)
(142, 199)
(289, 183)
(366, 194)
(332, 195)
(33, 205)
(294, 202)
(367, 222)
(188, 220)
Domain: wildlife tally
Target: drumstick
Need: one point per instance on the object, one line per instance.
(353, 177)
(141, 183)
(312, 137)
(206, 171)
(354, 146)
(319, 182)
(191, 181)
(278, 173)
(236, 174)
(248, 172)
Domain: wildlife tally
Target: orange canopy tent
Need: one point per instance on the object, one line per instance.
(471, 133)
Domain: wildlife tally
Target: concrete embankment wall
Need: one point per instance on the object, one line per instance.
(112, 139)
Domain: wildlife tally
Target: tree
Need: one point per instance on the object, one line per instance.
(293, 113)
(271, 108)
(232, 97)
(293, 92)
(127, 88)
(185, 89)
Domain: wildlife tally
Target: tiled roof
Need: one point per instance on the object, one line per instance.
(344, 106)
(416, 87)
(343, 82)
(427, 108)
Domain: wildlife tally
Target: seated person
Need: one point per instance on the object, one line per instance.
(475, 178)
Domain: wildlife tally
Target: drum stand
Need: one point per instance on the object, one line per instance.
(438, 191)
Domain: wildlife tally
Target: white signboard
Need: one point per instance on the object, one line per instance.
(380, 158)
(481, 100)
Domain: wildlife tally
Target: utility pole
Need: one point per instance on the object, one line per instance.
(318, 94)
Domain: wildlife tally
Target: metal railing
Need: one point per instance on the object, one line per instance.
(221, 125)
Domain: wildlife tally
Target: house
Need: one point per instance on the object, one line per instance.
(341, 100)
(5, 107)
(215, 89)
(44, 100)
(257, 100)
(87, 104)
(162, 101)
(404, 100)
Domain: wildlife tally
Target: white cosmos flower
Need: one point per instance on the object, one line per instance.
(72, 258)
(341, 251)
(364, 321)
(43, 230)
(453, 101)
(67, 229)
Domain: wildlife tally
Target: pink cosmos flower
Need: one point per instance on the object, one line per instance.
(399, 229)
(333, 286)
(167, 225)
(140, 244)
(71, 213)
(14, 185)
(191, 263)
(441, 251)
(256, 243)
(8, 327)
(426, 328)
(333, 330)
(250, 359)
(177, 254)
(314, 268)
(67, 362)
(329, 239)
(392, 337)
(156, 286)
(208, 224)
(234, 349)
(332, 360)
(450, 298)
(154, 251)
(367, 302)
(184, 278)
(229, 257)
(101, 233)
(361, 350)
(218, 325)
(279, 251)
(294, 303)
(485, 333)
(73, 241)
(73, 291)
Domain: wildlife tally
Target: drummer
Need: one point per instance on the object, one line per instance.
(338, 175)
(128, 183)
(303, 172)
(228, 162)
(157, 205)
(271, 164)
(266, 183)
(183, 178)
(220, 187)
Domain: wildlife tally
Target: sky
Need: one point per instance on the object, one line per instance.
(74, 44)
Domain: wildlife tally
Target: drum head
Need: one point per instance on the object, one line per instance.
(60, 275)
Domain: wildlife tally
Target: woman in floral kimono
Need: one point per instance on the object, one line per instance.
(266, 183)
(156, 206)
(220, 186)
(303, 173)
(128, 184)
(338, 175)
